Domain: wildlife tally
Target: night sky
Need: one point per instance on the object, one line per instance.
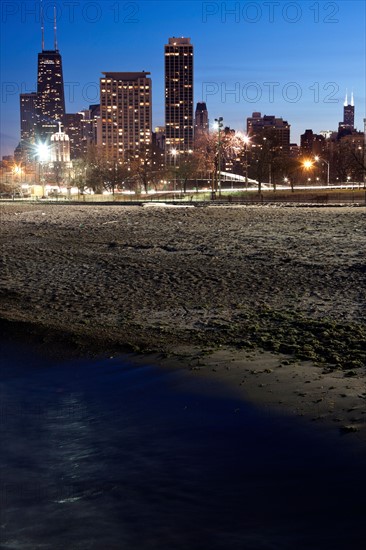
(289, 59)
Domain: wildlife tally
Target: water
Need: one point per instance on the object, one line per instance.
(101, 454)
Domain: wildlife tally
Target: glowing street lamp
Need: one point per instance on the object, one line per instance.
(174, 154)
(17, 169)
(318, 159)
(43, 154)
(307, 164)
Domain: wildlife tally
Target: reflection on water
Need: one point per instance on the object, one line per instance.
(105, 455)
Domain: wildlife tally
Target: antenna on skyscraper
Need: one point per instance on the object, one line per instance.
(42, 26)
(346, 100)
(54, 25)
(352, 100)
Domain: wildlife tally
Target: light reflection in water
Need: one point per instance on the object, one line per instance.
(102, 454)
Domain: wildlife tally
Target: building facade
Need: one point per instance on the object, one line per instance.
(178, 55)
(271, 127)
(201, 122)
(50, 92)
(125, 113)
(60, 148)
(312, 144)
(28, 117)
(90, 123)
(74, 129)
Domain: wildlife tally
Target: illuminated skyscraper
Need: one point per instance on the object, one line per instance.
(50, 88)
(125, 113)
(179, 94)
(348, 123)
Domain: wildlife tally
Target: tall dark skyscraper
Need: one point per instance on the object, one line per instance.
(179, 95)
(28, 118)
(28, 125)
(200, 120)
(50, 88)
(348, 123)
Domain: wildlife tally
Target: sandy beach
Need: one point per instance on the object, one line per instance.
(269, 300)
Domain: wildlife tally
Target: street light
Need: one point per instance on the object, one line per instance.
(246, 140)
(318, 159)
(307, 164)
(219, 124)
(43, 154)
(16, 171)
(174, 153)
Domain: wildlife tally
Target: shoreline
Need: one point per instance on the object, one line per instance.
(270, 302)
(272, 381)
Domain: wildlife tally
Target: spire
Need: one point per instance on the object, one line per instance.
(346, 100)
(55, 25)
(352, 100)
(42, 26)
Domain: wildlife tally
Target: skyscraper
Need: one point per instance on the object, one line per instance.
(179, 95)
(50, 87)
(200, 120)
(28, 119)
(74, 129)
(28, 125)
(89, 124)
(348, 123)
(125, 109)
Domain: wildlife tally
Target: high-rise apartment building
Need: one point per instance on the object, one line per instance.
(125, 112)
(270, 127)
(312, 144)
(179, 94)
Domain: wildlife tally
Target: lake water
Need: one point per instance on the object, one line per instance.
(103, 454)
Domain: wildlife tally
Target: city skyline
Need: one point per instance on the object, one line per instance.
(236, 73)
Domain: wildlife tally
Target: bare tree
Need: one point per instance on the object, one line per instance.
(187, 168)
(146, 167)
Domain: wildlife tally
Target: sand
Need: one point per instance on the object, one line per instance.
(268, 300)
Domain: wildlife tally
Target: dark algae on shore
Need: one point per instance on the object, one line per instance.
(325, 342)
